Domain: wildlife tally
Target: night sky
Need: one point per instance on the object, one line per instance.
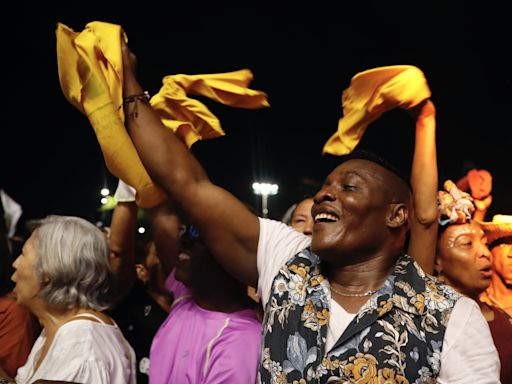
(303, 58)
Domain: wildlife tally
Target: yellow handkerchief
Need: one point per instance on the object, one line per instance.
(172, 103)
(91, 77)
(370, 94)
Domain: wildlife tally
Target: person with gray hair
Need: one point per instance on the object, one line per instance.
(299, 217)
(63, 276)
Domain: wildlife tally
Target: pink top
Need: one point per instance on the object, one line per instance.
(195, 345)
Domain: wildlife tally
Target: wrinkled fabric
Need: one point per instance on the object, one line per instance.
(397, 336)
(91, 77)
(454, 205)
(370, 94)
(478, 182)
(176, 109)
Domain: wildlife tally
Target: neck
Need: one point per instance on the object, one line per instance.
(472, 295)
(227, 296)
(486, 311)
(361, 277)
(51, 319)
(499, 291)
(163, 298)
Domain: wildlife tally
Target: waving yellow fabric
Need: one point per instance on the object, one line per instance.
(370, 94)
(173, 105)
(91, 77)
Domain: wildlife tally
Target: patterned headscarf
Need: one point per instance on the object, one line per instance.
(454, 205)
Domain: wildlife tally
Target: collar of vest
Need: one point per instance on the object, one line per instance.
(412, 290)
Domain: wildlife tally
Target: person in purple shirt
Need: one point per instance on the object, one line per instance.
(212, 334)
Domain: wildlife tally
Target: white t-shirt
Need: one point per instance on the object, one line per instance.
(468, 355)
(83, 351)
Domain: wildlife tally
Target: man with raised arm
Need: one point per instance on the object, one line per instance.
(344, 305)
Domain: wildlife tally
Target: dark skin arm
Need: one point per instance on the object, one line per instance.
(227, 227)
(122, 244)
(423, 221)
(166, 226)
(481, 207)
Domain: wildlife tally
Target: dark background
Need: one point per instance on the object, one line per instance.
(302, 57)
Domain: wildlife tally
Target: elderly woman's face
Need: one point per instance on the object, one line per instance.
(464, 260)
(27, 282)
(302, 220)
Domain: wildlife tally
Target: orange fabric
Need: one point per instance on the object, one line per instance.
(480, 183)
(18, 332)
(370, 94)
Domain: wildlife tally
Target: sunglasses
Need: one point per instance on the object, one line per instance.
(189, 232)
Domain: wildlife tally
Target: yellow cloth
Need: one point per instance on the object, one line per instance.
(91, 77)
(175, 108)
(370, 94)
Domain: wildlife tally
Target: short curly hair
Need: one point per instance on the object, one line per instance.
(73, 263)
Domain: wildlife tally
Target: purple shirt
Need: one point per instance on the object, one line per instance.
(194, 345)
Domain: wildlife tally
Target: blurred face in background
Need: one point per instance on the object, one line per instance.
(302, 220)
(151, 270)
(502, 255)
(195, 264)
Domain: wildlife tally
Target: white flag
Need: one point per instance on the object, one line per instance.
(12, 212)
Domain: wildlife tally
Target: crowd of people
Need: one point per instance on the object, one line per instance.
(378, 277)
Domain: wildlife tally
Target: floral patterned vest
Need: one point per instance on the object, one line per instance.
(396, 337)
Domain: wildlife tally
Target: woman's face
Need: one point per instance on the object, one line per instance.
(28, 284)
(302, 220)
(502, 255)
(463, 260)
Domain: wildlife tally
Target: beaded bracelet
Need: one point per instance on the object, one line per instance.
(144, 97)
(132, 98)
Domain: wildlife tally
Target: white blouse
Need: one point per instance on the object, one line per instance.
(83, 351)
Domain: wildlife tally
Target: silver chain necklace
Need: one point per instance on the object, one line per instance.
(367, 293)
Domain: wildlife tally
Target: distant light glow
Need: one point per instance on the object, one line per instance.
(141, 230)
(104, 192)
(104, 200)
(266, 189)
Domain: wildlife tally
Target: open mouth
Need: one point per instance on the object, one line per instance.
(486, 272)
(325, 218)
(182, 256)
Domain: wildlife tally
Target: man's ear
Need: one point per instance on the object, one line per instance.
(142, 272)
(438, 265)
(397, 215)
